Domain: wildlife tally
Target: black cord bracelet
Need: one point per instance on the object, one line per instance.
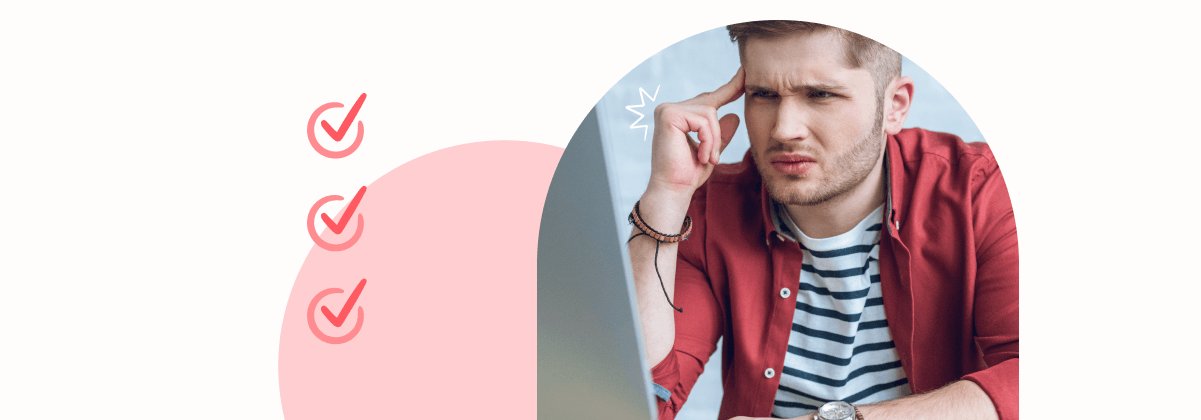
(637, 217)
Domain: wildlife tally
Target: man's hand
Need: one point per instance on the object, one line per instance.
(959, 400)
(678, 167)
(678, 164)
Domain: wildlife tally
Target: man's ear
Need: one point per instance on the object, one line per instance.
(898, 97)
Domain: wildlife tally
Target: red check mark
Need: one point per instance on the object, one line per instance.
(354, 297)
(354, 112)
(354, 204)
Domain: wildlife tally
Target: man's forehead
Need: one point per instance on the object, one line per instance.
(817, 57)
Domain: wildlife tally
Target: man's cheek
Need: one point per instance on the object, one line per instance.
(754, 113)
(757, 128)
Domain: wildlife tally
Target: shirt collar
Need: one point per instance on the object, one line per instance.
(774, 208)
(893, 166)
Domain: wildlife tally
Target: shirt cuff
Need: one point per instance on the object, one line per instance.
(662, 392)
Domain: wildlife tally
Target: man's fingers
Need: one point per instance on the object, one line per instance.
(687, 121)
(693, 146)
(715, 151)
(725, 94)
(712, 134)
(708, 143)
(691, 143)
(729, 125)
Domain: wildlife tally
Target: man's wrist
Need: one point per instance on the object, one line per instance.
(675, 194)
(664, 210)
(841, 410)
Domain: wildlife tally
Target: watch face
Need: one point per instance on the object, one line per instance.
(836, 410)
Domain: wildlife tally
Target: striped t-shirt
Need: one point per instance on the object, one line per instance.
(840, 348)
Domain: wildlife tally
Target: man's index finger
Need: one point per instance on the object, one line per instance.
(728, 92)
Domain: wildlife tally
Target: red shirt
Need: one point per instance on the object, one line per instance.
(948, 273)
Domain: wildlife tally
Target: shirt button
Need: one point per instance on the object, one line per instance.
(769, 373)
(780, 236)
(785, 293)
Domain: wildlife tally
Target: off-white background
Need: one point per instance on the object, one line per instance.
(155, 174)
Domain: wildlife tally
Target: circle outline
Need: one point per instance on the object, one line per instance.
(358, 325)
(313, 134)
(317, 238)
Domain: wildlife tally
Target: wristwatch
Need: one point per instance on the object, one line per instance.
(838, 410)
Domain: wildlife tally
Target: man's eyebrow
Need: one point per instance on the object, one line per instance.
(823, 86)
(797, 88)
(757, 89)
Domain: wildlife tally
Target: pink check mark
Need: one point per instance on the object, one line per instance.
(341, 318)
(346, 123)
(350, 208)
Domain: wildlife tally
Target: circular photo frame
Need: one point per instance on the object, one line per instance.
(849, 237)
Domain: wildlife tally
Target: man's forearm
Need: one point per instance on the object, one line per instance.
(961, 400)
(663, 212)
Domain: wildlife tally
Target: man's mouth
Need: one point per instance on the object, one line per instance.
(793, 164)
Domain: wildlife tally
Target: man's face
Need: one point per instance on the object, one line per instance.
(814, 123)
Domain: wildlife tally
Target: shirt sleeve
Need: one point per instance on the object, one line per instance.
(996, 290)
(698, 327)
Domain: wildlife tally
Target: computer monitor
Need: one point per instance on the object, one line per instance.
(590, 350)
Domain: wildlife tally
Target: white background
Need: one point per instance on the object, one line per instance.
(155, 172)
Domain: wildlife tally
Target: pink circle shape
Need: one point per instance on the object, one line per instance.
(312, 318)
(452, 260)
(358, 231)
(313, 134)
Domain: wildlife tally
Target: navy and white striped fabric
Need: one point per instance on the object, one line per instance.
(840, 347)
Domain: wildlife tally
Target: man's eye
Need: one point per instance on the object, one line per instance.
(767, 95)
(821, 95)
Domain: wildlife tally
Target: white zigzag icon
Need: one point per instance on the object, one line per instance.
(642, 95)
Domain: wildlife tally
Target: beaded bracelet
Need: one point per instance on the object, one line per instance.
(636, 219)
(660, 238)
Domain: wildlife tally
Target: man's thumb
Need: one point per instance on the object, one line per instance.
(728, 125)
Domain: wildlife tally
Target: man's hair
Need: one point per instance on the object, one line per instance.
(861, 52)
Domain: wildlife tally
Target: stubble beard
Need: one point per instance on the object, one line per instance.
(848, 171)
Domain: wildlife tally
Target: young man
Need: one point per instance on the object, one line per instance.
(844, 260)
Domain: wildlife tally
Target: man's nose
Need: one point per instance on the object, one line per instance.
(792, 121)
